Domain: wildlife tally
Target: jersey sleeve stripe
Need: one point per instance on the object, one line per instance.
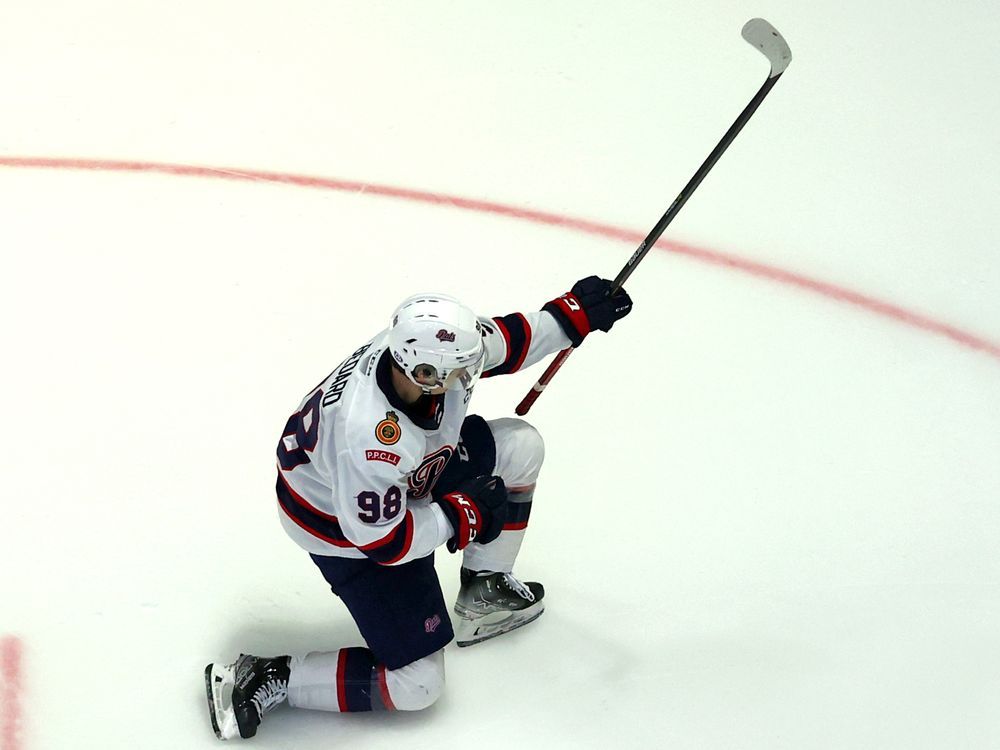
(526, 328)
(393, 546)
(506, 335)
(516, 332)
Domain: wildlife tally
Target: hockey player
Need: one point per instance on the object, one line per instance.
(381, 465)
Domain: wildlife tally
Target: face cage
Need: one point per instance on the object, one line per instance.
(428, 378)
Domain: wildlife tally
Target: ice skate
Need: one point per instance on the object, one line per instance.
(240, 694)
(491, 604)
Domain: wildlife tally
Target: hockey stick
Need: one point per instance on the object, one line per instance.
(764, 37)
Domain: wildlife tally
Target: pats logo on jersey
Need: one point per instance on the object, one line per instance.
(444, 335)
(387, 431)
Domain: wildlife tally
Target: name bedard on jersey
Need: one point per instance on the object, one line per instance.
(356, 465)
(341, 375)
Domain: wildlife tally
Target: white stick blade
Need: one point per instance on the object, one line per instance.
(766, 38)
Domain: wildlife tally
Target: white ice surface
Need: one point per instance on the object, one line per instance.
(767, 519)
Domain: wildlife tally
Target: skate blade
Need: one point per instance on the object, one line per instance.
(471, 631)
(219, 682)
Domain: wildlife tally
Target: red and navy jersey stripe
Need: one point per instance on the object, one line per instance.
(393, 546)
(516, 332)
(321, 525)
(388, 550)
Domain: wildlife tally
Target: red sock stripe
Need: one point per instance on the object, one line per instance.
(383, 687)
(519, 526)
(517, 515)
(341, 683)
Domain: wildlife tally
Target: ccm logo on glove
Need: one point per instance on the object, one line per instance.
(571, 303)
(589, 306)
(476, 510)
(470, 528)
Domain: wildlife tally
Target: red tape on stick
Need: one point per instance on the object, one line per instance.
(536, 390)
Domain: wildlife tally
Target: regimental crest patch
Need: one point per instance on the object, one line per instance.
(444, 335)
(387, 431)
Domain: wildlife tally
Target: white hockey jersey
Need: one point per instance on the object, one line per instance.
(356, 465)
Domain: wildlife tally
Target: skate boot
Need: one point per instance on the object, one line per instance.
(490, 604)
(240, 694)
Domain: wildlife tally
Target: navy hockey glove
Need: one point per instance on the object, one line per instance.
(589, 307)
(477, 511)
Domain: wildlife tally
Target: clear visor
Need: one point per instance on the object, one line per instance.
(429, 377)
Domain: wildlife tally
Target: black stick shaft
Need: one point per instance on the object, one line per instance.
(693, 183)
(647, 244)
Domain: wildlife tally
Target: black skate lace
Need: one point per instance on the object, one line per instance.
(518, 587)
(269, 695)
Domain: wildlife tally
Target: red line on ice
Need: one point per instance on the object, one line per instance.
(11, 651)
(761, 270)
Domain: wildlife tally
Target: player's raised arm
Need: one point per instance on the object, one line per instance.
(519, 340)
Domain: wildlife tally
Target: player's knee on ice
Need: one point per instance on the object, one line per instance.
(520, 451)
(329, 681)
(417, 685)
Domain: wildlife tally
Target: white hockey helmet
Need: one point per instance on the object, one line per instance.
(437, 341)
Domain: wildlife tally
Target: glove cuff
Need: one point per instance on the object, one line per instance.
(464, 516)
(571, 317)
